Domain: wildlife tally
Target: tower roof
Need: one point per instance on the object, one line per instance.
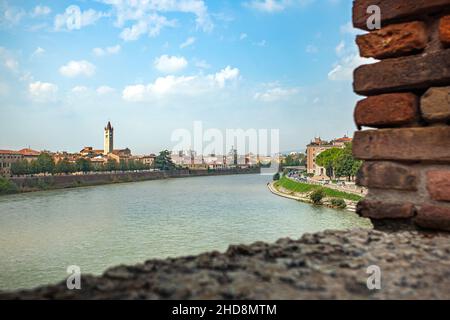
(109, 126)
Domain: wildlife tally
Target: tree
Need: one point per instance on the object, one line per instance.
(64, 166)
(45, 163)
(317, 195)
(112, 165)
(345, 164)
(20, 167)
(164, 162)
(83, 165)
(327, 159)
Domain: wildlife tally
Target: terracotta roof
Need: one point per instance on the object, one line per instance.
(29, 152)
(8, 152)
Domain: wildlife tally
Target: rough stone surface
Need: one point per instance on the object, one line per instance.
(395, 10)
(393, 41)
(327, 265)
(433, 217)
(435, 104)
(438, 184)
(387, 110)
(404, 144)
(382, 210)
(417, 72)
(444, 30)
(387, 175)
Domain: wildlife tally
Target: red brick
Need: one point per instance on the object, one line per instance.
(384, 210)
(417, 72)
(405, 144)
(387, 175)
(393, 41)
(433, 217)
(444, 30)
(435, 104)
(387, 110)
(395, 10)
(438, 184)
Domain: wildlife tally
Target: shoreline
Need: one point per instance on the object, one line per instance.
(56, 182)
(351, 205)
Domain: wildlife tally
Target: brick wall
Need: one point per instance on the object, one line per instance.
(407, 110)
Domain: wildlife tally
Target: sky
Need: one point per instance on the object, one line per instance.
(154, 66)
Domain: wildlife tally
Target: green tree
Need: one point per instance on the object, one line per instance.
(345, 164)
(6, 186)
(317, 195)
(64, 166)
(327, 159)
(164, 162)
(83, 165)
(20, 167)
(112, 165)
(45, 163)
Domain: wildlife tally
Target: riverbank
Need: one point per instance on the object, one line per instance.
(52, 182)
(326, 265)
(301, 191)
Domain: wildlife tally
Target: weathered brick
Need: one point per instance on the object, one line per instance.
(387, 175)
(438, 184)
(395, 10)
(433, 217)
(405, 144)
(401, 74)
(384, 210)
(393, 41)
(444, 30)
(387, 110)
(435, 104)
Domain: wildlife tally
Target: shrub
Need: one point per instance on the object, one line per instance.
(276, 176)
(338, 203)
(7, 187)
(317, 195)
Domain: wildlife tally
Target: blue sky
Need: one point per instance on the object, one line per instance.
(153, 66)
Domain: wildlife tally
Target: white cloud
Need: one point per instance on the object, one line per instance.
(273, 6)
(275, 94)
(243, 36)
(340, 48)
(74, 18)
(99, 52)
(151, 26)
(79, 89)
(10, 15)
(202, 64)
(170, 64)
(41, 11)
(225, 75)
(8, 60)
(189, 42)
(349, 29)
(261, 43)
(42, 91)
(77, 68)
(343, 70)
(180, 86)
(266, 5)
(147, 16)
(103, 90)
(38, 52)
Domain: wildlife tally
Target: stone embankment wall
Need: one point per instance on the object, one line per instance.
(407, 155)
(72, 181)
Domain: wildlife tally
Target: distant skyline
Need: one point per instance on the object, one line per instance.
(151, 67)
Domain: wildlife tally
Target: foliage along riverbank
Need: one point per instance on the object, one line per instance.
(51, 182)
(311, 193)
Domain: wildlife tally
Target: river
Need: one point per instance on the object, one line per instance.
(98, 227)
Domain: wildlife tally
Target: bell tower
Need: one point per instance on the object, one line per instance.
(109, 139)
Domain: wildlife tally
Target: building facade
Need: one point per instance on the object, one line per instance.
(316, 147)
(7, 158)
(109, 139)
